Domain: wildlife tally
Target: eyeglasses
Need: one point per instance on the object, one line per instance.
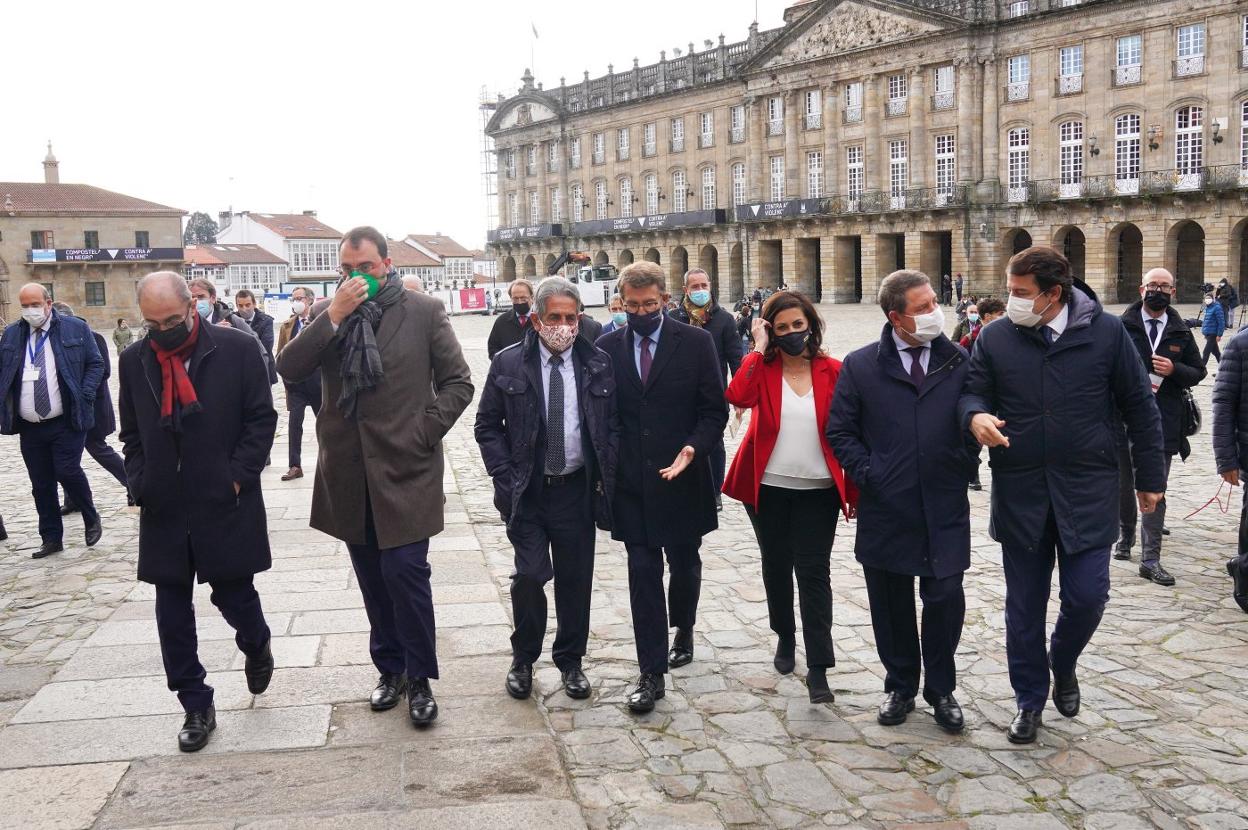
(363, 268)
(650, 306)
(1159, 286)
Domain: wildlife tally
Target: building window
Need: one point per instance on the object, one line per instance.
(556, 205)
(574, 153)
(513, 219)
(680, 192)
(1018, 87)
(706, 133)
(534, 208)
(738, 184)
(1018, 8)
(853, 102)
(708, 188)
(141, 239)
(897, 91)
(600, 199)
(509, 163)
(91, 239)
(649, 145)
(530, 160)
(946, 167)
(1070, 66)
(1018, 163)
(1127, 154)
(777, 178)
(943, 97)
(814, 109)
(1189, 146)
(95, 293)
(1070, 158)
(599, 148)
(621, 145)
(775, 115)
(855, 174)
(323, 256)
(1190, 50)
(678, 135)
(898, 173)
(1243, 141)
(626, 197)
(552, 156)
(736, 124)
(1130, 57)
(814, 174)
(577, 194)
(652, 194)
(1243, 42)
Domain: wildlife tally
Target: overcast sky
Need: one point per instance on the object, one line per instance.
(366, 111)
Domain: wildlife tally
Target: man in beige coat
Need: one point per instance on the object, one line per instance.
(395, 382)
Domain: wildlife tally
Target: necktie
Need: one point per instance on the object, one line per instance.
(916, 366)
(1047, 334)
(1155, 330)
(556, 452)
(43, 400)
(646, 359)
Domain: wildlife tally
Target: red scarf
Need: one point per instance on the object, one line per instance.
(175, 383)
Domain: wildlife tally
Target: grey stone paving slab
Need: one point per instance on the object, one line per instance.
(56, 798)
(126, 632)
(466, 717)
(457, 771)
(124, 697)
(517, 815)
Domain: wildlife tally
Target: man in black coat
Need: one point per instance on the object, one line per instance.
(894, 427)
(261, 324)
(509, 328)
(549, 433)
(672, 414)
(1230, 446)
(1170, 356)
(197, 422)
(698, 308)
(218, 314)
(1045, 391)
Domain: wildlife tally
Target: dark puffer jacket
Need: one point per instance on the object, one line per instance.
(1230, 407)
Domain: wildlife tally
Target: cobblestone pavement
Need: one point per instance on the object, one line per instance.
(87, 726)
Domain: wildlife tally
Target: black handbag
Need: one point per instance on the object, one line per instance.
(1191, 414)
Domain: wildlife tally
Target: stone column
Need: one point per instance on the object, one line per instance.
(914, 255)
(991, 137)
(870, 264)
(788, 265)
(831, 148)
(543, 187)
(871, 145)
(919, 151)
(1096, 271)
(794, 161)
(968, 160)
(756, 139)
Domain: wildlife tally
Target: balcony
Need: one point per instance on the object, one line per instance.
(1149, 183)
(1069, 84)
(552, 166)
(621, 154)
(775, 128)
(530, 170)
(736, 135)
(678, 145)
(600, 157)
(1243, 58)
(896, 106)
(649, 149)
(574, 161)
(1189, 66)
(852, 115)
(706, 140)
(943, 101)
(1018, 91)
(1129, 75)
(814, 120)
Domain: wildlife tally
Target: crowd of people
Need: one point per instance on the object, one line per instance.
(621, 428)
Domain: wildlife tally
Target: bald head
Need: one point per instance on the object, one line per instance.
(33, 294)
(1159, 276)
(164, 299)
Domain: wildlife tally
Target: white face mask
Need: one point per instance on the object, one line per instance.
(927, 327)
(35, 316)
(1021, 311)
(298, 307)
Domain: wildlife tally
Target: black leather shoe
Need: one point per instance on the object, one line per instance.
(1240, 575)
(520, 680)
(682, 649)
(1122, 553)
(1157, 574)
(4, 534)
(1024, 727)
(719, 503)
(817, 686)
(259, 670)
(421, 706)
(1165, 531)
(976, 486)
(947, 712)
(196, 730)
(47, 549)
(389, 689)
(94, 532)
(1066, 694)
(575, 683)
(68, 507)
(894, 708)
(649, 689)
(785, 659)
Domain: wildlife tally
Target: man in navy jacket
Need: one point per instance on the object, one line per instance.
(1044, 393)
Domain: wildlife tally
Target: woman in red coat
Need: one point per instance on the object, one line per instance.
(787, 478)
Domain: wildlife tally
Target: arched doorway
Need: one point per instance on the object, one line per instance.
(652, 255)
(550, 260)
(601, 258)
(676, 269)
(1015, 240)
(708, 261)
(736, 272)
(530, 267)
(625, 258)
(1126, 257)
(1073, 245)
(507, 271)
(1185, 258)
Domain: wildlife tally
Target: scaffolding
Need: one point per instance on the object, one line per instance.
(489, 161)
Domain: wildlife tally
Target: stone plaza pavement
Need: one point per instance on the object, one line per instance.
(87, 726)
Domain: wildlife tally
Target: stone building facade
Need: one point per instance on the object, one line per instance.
(867, 135)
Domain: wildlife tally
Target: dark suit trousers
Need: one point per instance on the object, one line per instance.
(237, 601)
(1128, 507)
(299, 398)
(553, 538)
(645, 590)
(1083, 579)
(98, 448)
(897, 638)
(795, 531)
(399, 600)
(53, 453)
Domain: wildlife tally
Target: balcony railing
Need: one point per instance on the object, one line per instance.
(574, 161)
(1018, 91)
(706, 140)
(852, 115)
(736, 135)
(1148, 183)
(552, 166)
(775, 128)
(1243, 58)
(621, 154)
(678, 145)
(943, 101)
(1070, 84)
(814, 120)
(1189, 66)
(648, 150)
(600, 157)
(1128, 75)
(530, 170)
(896, 106)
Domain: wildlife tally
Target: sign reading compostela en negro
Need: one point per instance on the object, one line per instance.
(39, 255)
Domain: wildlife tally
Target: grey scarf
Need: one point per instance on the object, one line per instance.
(357, 344)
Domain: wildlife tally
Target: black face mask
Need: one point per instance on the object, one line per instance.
(1156, 300)
(170, 339)
(521, 308)
(645, 324)
(793, 343)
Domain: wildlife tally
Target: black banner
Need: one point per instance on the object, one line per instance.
(764, 211)
(48, 255)
(655, 222)
(527, 232)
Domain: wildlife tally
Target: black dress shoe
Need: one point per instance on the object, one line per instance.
(259, 670)
(649, 689)
(682, 649)
(1066, 694)
(94, 532)
(575, 683)
(47, 549)
(1024, 727)
(1238, 573)
(389, 689)
(976, 486)
(4, 534)
(817, 686)
(894, 708)
(1157, 574)
(421, 706)
(785, 660)
(1122, 553)
(68, 507)
(520, 680)
(196, 729)
(1165, 531)
(947, 712)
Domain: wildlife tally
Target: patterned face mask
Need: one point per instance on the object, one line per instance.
(559, 338)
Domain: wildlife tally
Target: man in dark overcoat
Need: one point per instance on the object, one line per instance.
(197, 422)
(894, 428)
(672, 414)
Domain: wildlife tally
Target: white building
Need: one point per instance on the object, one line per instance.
(309, 246)
(456, 260)
(235, 267)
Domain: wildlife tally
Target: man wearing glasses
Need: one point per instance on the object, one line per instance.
(1172, 360)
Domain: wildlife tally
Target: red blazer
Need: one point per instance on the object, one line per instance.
(756, 385)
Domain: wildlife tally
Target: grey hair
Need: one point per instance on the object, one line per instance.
(307, 292)
(165, 279)
(893, 289)
(64, 308)
(693, 271)
(555, 287)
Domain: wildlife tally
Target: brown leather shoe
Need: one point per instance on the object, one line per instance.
(292, 474)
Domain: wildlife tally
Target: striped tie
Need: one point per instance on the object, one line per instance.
(43, 399)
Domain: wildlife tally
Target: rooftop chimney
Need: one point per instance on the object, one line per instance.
(309, 213)
(51, 172)
(223, 220)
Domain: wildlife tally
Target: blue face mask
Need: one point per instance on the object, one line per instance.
(619, 317)
(699, 298)
(204, 307)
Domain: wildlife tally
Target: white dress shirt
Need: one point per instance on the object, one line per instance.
(26, 405)
(1148, 329)
(907, 358)
(572, 453)
(1059, 323)
(797, 461)
(653, 337)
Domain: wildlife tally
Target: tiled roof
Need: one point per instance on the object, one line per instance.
(296, 225)
(230, 254)
(404, 255)
(83, 199)
(443, 246)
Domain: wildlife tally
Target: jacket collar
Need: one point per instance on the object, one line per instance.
(943, 353)
(1132, 319)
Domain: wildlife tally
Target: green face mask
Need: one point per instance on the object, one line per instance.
(373, 285)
